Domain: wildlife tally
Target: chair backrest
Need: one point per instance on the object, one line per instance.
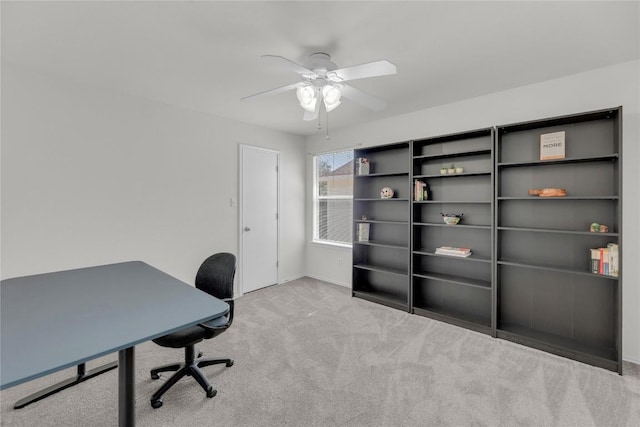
(215, 275)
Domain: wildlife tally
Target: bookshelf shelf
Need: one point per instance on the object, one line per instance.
(455, 317)
(456, 175)
(453, 155)
(554, 268)
(572, 348)
(458, 318)
(462, 202)
(378, 269)
(388, 299)
(373, 175)
(430, 252)
(373, 221)
(557, 231)
(382, 244)
(372, 199)
(603, 158)
(555, 199)
(458, 280)
(439, 224)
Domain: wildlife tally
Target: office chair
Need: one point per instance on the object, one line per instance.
(215, 276)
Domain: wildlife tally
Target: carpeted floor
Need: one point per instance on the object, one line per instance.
(307, 354)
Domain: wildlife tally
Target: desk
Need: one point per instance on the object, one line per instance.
(59, 320)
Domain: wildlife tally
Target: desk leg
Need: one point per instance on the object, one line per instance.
(126, 388)
(82, 375)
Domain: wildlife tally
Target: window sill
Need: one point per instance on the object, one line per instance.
(332, 245)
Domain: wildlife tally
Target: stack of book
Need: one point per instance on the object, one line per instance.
(451, 251)
(605, 260)
(420, 191)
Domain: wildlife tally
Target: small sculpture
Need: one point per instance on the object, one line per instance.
(598, 228)
(386, 193)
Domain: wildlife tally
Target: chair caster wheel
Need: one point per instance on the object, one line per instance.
(155, 376)
(210, 393)
(230, 363)
(155, 404)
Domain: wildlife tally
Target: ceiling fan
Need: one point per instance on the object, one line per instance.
(323, 83)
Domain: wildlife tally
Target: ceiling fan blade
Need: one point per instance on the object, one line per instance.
(272, 91)
(371, 69)
(362, 98)
(289, 64)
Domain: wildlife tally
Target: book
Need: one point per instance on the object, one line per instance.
(613, 259)
(420, 191)
(453, 251)
(595, 260)
(363, 232)
(603, 267)
(600, 261)
(552, 145)
(454, 254)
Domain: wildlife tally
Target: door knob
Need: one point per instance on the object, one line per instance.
(247, 229)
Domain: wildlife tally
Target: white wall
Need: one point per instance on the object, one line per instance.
(92, 177)
(592, 90)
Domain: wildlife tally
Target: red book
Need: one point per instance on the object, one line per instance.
(601, 266)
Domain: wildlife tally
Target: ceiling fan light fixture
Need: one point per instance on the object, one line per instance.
(307, 96)
(331, 96)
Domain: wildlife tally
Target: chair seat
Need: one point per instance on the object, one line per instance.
(193, 334)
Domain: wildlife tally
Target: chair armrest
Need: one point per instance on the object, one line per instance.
(213, 328)
(228, 316)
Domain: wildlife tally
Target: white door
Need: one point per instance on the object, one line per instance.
(258, 217)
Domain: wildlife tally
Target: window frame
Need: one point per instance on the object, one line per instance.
(316, 198)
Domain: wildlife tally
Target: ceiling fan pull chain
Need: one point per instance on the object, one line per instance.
(327, 137)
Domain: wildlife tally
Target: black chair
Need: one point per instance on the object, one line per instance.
(215, 277)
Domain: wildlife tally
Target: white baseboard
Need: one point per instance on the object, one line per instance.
(333, 282)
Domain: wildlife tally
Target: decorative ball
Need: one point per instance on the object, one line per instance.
(386, 193)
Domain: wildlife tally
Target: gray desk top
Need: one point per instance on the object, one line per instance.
(57, 320)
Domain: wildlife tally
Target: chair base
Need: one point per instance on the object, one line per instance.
(191, 367)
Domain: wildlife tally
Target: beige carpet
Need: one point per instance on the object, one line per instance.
(307, 354)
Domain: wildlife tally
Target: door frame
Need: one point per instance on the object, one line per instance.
(241, 147)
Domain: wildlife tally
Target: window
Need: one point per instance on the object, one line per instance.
(333, 197)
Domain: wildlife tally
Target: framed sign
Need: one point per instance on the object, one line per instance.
(552, 145)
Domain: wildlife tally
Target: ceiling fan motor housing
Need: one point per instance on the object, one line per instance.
(320, 63)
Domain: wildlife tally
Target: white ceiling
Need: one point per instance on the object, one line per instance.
(206, 55)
